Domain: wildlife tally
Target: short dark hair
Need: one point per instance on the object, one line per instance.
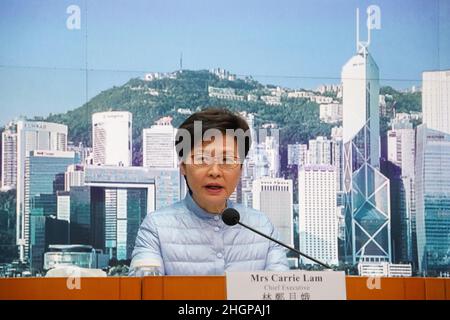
(213, 118)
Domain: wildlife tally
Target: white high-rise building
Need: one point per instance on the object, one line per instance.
(367, 190)
(401, 146)
(337, 155)
(273, 156)
(270, 143)
(319, 151)
(249, 169)
(250, 118)
(318, 215)
(63, 205)
(159, 145)
(436, 100)
(273, 196)
(33, 135)
(337, 160)
(361, 109)
(73, 177)
(112, 138)
(9, 157)
(401, 152)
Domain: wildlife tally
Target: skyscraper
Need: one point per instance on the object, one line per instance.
(432, 183)
(269, 136)
(401, 143)
(318, 216)
(436, 100)
(43, 179)
(367, 205)
(45, 231)
(120, 199)
(432, 177)
(273, 196)
(337, 160)
(319, 151)
(82, 227)
(63, 205)
(249, 166)
(159, 145)
(33, 135)
(400, 170)
(73, 177)
(112, 138)
(9, 157)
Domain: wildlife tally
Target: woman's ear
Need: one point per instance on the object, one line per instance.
(183, 168)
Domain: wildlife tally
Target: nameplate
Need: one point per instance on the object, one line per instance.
(287, 285)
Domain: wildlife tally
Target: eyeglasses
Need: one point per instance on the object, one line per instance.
(203, 160)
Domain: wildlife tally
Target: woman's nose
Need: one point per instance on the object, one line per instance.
(214, 170)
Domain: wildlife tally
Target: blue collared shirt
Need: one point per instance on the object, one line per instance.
(187, 240)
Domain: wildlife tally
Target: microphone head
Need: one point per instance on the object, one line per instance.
(230, 216)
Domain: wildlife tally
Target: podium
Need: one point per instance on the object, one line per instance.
(202, 288)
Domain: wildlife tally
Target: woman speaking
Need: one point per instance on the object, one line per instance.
(189, 237)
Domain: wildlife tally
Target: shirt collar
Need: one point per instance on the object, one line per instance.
(199, 212)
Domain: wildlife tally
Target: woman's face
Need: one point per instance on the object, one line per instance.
(211, 174)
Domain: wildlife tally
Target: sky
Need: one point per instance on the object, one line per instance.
(47, 68)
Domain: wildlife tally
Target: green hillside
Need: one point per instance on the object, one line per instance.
(298, 119)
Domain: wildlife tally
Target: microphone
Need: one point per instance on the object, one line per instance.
(231, 217)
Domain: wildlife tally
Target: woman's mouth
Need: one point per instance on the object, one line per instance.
(214, 189)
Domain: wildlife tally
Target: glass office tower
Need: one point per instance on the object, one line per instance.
(433, 200)
(367, 199)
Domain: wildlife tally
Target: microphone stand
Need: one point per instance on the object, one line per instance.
(286, 246)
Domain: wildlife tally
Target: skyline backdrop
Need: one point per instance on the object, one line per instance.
(47, 68)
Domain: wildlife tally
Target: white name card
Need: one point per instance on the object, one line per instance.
(287, 285)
